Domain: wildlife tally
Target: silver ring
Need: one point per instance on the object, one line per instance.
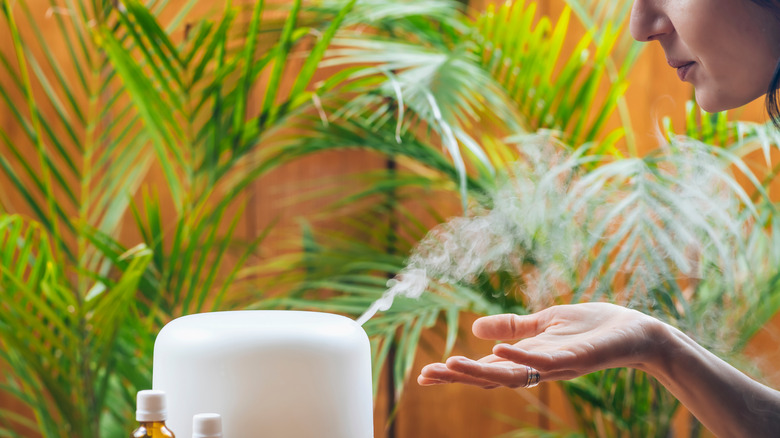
(533, 377)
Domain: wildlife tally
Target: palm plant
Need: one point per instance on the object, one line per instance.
(81, 309)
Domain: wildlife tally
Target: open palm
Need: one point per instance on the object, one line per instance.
(562, 342)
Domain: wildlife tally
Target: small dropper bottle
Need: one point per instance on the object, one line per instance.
(151, 413)
(207, 426)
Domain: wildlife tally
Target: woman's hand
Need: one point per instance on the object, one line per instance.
(562, 342)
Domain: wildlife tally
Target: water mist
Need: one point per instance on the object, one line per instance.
(590, 227)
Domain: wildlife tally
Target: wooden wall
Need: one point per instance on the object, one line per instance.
(459, 411)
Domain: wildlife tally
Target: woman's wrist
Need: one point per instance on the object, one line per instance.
(663, 343)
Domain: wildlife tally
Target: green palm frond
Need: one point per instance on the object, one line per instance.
(431, 22)
(417, 72)
(62, 363)
(595, 13)
(356, 131)
(617, 402)
(736, 138)
(97, 166)
(662, 209)
(553, 89)
(200, 121)
(196, 257)
(422, 88)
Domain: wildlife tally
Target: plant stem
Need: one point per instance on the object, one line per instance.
(93, 115)
(392, 237)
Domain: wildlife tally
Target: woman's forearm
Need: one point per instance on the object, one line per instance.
(726, 401)
(564, 342)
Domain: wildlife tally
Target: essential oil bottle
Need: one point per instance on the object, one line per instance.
(151, 413)
(207, 426)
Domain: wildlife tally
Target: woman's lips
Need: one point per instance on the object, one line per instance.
(683, 67)
(682, 72)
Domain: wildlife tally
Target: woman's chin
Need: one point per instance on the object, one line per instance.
(712, 105)
(716, 102)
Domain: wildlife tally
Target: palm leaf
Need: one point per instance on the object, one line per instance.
(52, 358)
(525, 60)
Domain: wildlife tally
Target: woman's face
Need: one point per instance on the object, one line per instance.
(727, 49)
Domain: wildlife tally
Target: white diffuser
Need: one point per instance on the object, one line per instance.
(269, 373)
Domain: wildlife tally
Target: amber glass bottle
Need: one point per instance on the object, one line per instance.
(151, 413)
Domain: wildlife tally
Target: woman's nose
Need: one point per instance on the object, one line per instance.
(649, 21)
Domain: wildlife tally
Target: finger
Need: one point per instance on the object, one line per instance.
(439, 373)
(512, 377)
(541, 360)
(427, 381)
(509, 326)
(490, 358)
(549, 368)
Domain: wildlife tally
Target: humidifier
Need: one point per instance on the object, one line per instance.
(268, 373)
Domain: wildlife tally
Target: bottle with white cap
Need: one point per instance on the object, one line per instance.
(207, 426)
(151, 413)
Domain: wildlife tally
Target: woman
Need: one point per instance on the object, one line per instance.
(729, 51)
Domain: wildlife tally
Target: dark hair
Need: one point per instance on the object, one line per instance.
(772, 100)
